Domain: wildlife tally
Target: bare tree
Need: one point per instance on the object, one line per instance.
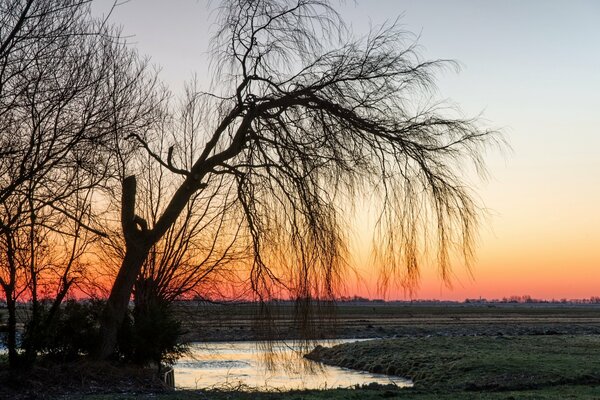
(303, 119)
(68, 84)
(70, 90)
(42, 258)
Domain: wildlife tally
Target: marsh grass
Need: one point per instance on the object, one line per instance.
(477, 363)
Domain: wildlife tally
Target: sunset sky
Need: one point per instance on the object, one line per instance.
(530, 69)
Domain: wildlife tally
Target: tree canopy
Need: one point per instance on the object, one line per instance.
(302, 118)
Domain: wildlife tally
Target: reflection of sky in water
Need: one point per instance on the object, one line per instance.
(236, 364)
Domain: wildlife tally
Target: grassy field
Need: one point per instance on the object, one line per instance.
(475, 363)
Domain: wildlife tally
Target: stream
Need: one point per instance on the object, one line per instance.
(245, 366)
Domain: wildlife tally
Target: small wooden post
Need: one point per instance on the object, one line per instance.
(168, 377)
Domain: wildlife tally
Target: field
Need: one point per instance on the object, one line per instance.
(475, 363)
(227, 322)
(371, 319)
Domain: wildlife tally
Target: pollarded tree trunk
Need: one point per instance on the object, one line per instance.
(118, 301)
(137, 245)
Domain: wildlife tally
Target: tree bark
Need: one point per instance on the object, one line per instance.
(138, 242)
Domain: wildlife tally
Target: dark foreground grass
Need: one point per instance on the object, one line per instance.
(52, 380)
(583, 392)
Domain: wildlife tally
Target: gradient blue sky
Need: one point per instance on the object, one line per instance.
(531, 68)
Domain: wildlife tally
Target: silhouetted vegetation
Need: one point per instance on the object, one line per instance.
(303, 118)
(151, 333)
(69, 89)
(67, 336)
(109, 186)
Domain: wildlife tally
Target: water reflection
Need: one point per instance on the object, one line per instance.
(242, 365)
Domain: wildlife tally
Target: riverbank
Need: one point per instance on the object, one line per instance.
(447, 368)
(460, 346)
(562, 393)
(77, 379)
(482, 364)
(556, 393)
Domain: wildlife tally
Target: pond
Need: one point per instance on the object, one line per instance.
(243, 365)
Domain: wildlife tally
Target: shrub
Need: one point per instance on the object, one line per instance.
(151, 334)
(66, 335)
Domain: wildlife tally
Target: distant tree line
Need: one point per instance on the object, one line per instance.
(528, 299)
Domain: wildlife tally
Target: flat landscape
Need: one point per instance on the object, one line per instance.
(213, 322)
(166, 164)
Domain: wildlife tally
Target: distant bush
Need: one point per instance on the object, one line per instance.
(3, 328)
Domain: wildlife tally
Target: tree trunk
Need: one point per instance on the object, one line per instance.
(11, 341)
(118, 301)
(137, 246)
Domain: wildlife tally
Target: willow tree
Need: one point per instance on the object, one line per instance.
(303, 120)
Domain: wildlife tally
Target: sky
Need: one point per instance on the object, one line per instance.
(530, 69)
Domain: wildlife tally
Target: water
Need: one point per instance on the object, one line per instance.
(241, 365)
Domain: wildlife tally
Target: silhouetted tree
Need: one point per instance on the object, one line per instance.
(195, 255)
(69, 89)
(302, 121)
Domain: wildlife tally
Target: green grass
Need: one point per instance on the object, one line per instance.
(476, 363)
(442, 367)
